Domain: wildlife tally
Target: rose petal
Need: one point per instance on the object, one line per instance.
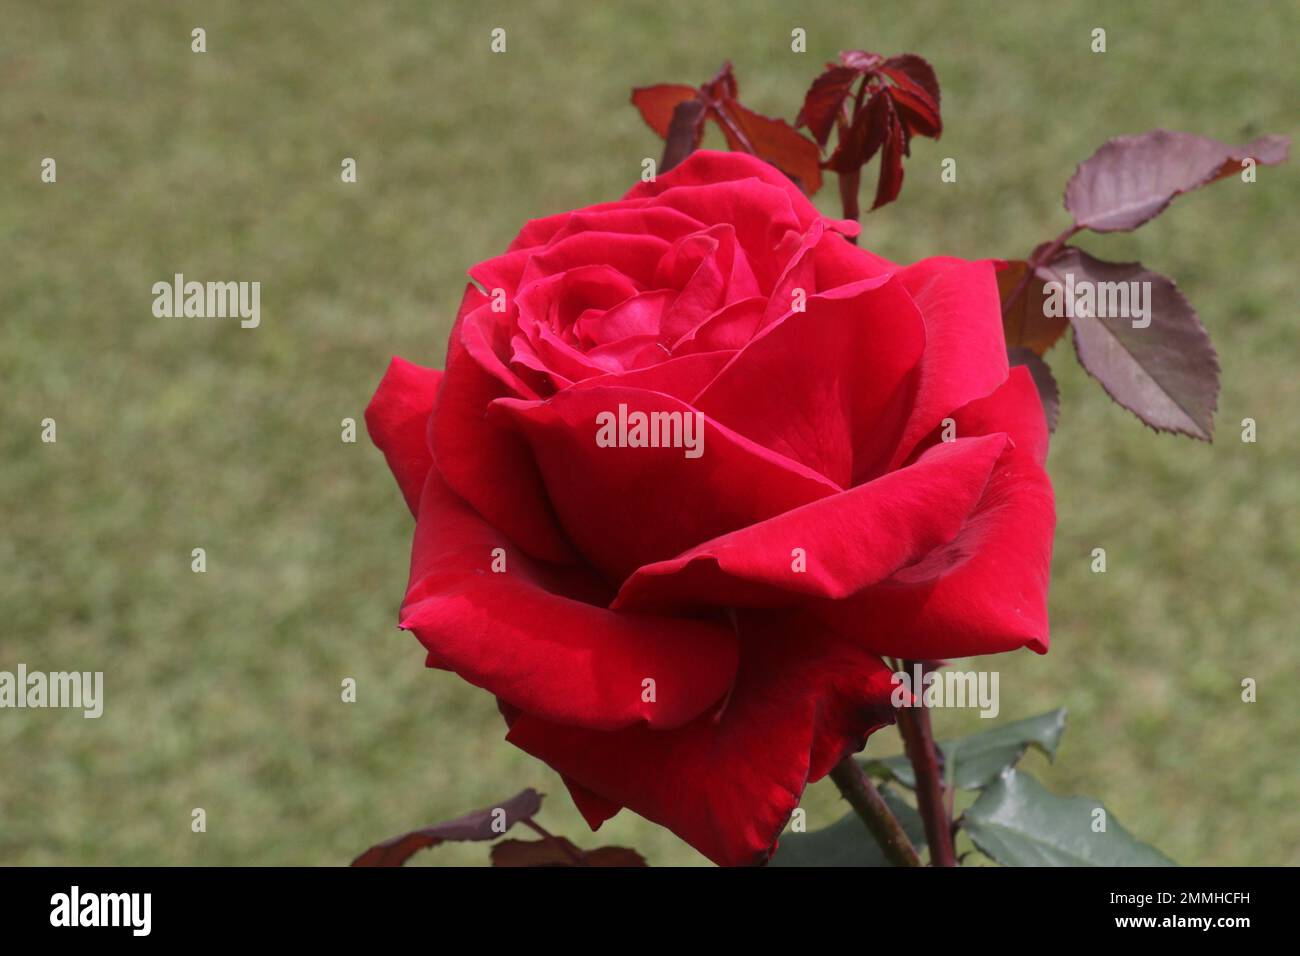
(730, 328)
(799, 275)
(634, 256)
(986, 590)
(1010, 408)
(709, 269)
(625, 507)
(643, 218)
(541, 376)
(827, 386)
(538, 232)
(682, 377)
(760, 214)
(487, 465)
(637, 315)
(840, 263)
(556, 355)
(713, 169)
(634, 352)
(397, 419)
(727, 782)
(531, 635)
(558, 301)
(965, 350)
(846, 542)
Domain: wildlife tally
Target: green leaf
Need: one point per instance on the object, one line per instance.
(847, 842)
(1018, 823)
(975, 761)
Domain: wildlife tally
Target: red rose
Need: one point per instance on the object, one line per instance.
(697, 638)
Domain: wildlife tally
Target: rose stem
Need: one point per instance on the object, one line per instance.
(849, 182)
(849, 197)
(578, 857)
(1048, 254)
(918, 741)
(875, 813)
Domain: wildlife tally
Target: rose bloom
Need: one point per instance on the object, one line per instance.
(697, 638)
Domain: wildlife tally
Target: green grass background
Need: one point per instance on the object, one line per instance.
(223, 689)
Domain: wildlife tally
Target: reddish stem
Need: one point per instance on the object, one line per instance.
(577, 856)
(918, 741)
(1042, 258)
(849, 197)
(870, 806)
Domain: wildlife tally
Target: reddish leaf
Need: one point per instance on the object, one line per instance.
(1165, 373)
(918, 112)
(657, 103)
(1131, 179)
(479, 825)
(1048, 393)
(774, 141)
(891, 159)
(723, 86)
(824, 99)
(885, 116)
(1024, 320)
(876, 127)
(917, 71)
(614, 856)
(557, 851)
(668, 110)
(869, 130)
(916, 94)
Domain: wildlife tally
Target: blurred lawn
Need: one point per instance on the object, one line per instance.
(223, 689)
